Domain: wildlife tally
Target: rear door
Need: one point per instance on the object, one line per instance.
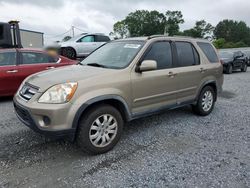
(189, 71)
(8, 72)
(33, 62)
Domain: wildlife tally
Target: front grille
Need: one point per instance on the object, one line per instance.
(28, 91)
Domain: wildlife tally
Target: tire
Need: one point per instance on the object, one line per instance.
(229, 69)
(69, 53)
(90, 126)
(200, 108)
(244, 68)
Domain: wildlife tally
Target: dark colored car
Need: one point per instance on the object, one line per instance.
(247, 52)
(233, 61)
(17, 64)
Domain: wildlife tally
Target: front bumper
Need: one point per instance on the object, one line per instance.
(26, 116)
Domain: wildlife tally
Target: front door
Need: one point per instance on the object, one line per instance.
(86, 45)
(155, 89)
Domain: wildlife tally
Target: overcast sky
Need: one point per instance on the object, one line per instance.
(54, 17)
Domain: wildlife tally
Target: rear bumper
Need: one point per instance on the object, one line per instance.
(25, 116)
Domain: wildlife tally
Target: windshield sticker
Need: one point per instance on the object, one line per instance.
(132, 46)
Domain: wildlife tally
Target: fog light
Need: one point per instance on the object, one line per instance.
(46, 120)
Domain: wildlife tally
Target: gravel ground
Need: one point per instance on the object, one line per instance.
(173, 149)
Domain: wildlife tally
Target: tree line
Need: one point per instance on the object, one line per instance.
(226, 34)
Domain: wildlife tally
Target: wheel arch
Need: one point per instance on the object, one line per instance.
(211, 83)
(64, 47)
(116, 101)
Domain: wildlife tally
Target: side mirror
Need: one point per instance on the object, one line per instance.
(147, 65)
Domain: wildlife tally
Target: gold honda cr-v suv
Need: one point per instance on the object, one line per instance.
(120, 81)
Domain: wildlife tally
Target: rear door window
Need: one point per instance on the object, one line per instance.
(101, 38)
(36, 58)
(209, 51)
(161, 53)
(186, 54)
(7, 58)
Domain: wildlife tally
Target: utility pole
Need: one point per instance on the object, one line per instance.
(73, 30)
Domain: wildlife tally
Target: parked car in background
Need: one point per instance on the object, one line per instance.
(121, 81)
(81, 45)
(17, 64)
(247, 52)
(233, 61)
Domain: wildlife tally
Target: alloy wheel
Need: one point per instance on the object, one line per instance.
(103, 130)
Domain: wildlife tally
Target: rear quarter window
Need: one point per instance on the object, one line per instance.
(209, 51)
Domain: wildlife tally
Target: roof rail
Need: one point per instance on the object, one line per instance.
(183, 36)
(155, 36)
(189, 37)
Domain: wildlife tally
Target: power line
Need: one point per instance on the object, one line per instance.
(79, 29)
(55, 36)
(62, 34)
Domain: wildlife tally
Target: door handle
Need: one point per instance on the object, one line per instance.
(171, 74)
(202, 70)
(50, 68)
(12, 71)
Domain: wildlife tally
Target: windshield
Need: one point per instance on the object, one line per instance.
(115, 55)
(225, 54)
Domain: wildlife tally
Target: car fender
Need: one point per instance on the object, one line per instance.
(97, 99)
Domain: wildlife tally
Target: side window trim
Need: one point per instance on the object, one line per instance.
(195, 51)
(18, 57)
(150, 47)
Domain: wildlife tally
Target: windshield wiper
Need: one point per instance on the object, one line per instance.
(96, 65)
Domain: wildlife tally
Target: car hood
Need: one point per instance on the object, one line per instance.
(226, 60)
(74, 73)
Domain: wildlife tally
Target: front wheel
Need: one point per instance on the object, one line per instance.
(69, 53)
(229, 69)
(244, 68)
(206, 101)
(100, 129)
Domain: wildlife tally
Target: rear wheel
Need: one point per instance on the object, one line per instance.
(100, 129)
(229, 69)
(206, 101)
(244, 68)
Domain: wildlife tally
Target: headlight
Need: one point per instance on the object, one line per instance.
(58, 94)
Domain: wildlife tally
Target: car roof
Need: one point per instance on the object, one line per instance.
(21, 49)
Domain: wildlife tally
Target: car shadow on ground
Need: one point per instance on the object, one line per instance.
(6, 99)
(26, 143)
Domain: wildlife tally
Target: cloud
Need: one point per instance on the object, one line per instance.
(54, 17)
(44, 3)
